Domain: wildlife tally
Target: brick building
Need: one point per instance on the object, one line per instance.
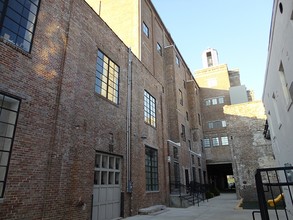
(79, 111)
(99, 113)
(74, 136)
(215, 81)
(232, 128)
(140, 27)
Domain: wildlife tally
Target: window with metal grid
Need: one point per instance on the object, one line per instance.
(17, 22)
(149, 109)
(107, 78)
(9, 109)
(151, 169)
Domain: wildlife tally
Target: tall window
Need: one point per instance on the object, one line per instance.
(183, 135)
(17, 22)
(145, 30)
(209, 59)
(151, 169)
(224, 140)
(159, 49)
(9, 109)
(198, 117)
(215, 141)
(206, 142)
(175, 153)
(177, 60)
(107, 78)
(149, 109)
(180, 97)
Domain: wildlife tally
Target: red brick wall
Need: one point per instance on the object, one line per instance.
(62, 120)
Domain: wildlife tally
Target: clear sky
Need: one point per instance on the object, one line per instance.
(238, 30)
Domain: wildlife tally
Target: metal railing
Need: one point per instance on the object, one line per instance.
(274, 192)
(193, 192)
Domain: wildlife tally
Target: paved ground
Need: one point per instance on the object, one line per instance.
(223, 207)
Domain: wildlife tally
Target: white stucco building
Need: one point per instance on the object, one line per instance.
(278, 91)
(278, 87)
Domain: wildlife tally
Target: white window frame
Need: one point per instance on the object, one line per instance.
(215, 141)
(224, 140)
(206, 142)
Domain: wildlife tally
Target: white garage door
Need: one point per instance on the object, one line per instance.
(107, 187)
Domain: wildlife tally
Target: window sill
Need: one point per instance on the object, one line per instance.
(148, 192)
(1, 200)
(13, 46)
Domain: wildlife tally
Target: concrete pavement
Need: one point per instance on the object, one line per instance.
(223, 207)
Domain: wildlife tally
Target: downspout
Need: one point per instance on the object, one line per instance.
(128, 126)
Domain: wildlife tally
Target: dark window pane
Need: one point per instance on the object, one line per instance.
(8, 35)
(14, 5)
(27, 24)
(19, 19)
(25, 34)
(8, 23)
(22, 43)
(1, 7)
(13, 15)
(32, 7)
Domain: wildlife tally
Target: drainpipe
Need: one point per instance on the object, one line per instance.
(128, 122)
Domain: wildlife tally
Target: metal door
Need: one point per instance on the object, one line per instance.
(107, 187)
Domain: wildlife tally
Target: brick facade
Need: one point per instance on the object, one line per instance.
(63, 121)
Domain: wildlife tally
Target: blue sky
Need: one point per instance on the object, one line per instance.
(238, 30)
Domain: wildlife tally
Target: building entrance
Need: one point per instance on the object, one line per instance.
(107, 187)
(217, 175)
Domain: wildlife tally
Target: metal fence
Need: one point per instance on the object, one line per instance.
(274, 191)
(193, 192)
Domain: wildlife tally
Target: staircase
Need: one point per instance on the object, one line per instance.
(183, 197)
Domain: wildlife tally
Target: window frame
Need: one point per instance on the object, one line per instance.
(21, 27)
(8, 140)
(107, 74)
(215, 141)
(175, 153)
(177, 60)
(151, 169)
(180, 97)
(224, 140)
(183, 132)
(150, 115)
(159, 49)
(206, 142)
(145, 29)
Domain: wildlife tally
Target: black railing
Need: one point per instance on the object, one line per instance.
(273, 189)
(193, 192)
